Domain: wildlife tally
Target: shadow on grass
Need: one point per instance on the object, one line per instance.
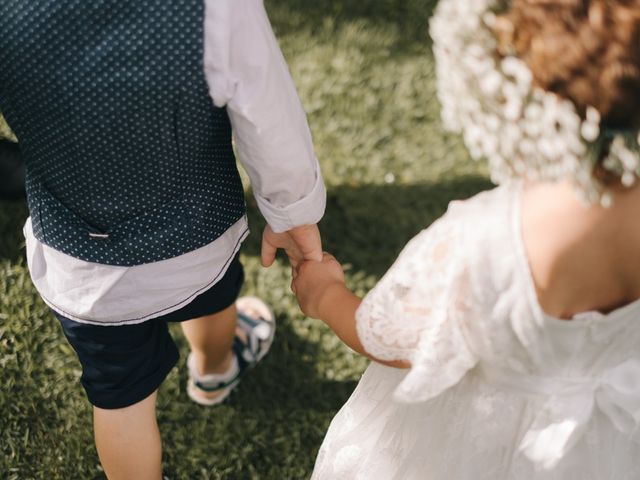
(13, 214)
(297, 389)
(364, 226)
(367, 226)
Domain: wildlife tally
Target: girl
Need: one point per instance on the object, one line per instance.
(516, 313)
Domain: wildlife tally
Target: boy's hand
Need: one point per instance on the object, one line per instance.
(301, 243)
(313, 280)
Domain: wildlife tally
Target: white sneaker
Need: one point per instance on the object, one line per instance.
(255, 330)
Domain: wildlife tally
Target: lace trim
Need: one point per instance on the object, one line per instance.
(414, 312)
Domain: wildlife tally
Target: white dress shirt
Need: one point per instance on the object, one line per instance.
(247, 74)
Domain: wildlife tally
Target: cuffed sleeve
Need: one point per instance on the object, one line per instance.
(306, 211)
(247, 74)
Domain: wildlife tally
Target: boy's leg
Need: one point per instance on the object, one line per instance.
(211, 338)
(244, 329)
(122, 368)
(128, 441)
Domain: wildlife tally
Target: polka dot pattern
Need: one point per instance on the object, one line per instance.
(128, 160)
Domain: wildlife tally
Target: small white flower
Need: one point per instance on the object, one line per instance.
(520, 167)
(493, 123)
(626, 157)
(510, 66)
(489, 19)
(609, 163)
(475, 152)
(570, 164)
(527, 147)
(545, 146)
(513, 110)
(533, 112)
(490, 145)
(476, 51)
(576, 145)
(593, 115)
(568, 118)
(512, 133)
(532, 129)
(539, 95)
(491, 83)
(559, 146)
(590, 131)
(525, 77)
(628, 179)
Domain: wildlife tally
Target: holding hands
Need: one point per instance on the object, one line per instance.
(300, 243)
(314, 283)
(314, 272)
(319, 283)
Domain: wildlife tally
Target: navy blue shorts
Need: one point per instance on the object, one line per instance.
(122, 365)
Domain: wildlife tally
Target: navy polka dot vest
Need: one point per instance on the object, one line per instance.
(128, 161)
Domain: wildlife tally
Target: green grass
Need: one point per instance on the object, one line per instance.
(366, 77)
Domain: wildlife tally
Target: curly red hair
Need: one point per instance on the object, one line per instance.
(587, 51)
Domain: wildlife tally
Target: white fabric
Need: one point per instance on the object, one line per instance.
(246, 73)
(107, 295)
(497, 389)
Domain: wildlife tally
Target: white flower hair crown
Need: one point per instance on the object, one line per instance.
(522, 130)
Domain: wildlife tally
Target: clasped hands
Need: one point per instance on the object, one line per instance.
(315, 273)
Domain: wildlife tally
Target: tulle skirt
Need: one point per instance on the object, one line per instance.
(470, 432)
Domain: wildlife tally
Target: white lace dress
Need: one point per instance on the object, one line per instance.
(498, 389)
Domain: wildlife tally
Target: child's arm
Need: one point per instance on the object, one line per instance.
(248, 75)
(322, 293)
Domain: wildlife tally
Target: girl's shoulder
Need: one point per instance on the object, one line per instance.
(480, 225)
(487, 207)
(476, 243)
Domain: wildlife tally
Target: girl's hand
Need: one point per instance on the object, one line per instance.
(313, 283)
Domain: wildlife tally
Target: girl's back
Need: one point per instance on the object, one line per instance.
(582, 259)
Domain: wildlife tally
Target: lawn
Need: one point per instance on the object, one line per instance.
(365, 74)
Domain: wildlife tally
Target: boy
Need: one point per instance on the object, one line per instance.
(137, 210)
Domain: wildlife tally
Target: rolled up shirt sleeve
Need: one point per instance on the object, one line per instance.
(248, 75)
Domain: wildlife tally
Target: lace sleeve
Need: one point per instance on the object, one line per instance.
(416, 310)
